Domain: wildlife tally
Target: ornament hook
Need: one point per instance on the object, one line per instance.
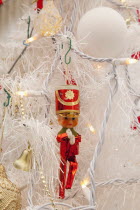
(70, 45)
(8, 98)
(28, 30)
(24, 43)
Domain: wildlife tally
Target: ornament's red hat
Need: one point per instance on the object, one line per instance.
(67, 99)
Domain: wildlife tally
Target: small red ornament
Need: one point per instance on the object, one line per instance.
(67, 110)
(1, 2)
(134, 127)
(136, 55)
(39, 4)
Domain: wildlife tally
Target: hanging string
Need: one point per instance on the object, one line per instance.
(67, 74)
(68, 60)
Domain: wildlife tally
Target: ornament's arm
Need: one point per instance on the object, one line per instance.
(60, 137)
(78, 138)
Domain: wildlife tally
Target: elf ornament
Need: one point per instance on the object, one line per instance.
(67, 110)
(10, 196)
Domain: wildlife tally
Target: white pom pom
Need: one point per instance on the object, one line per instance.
(103, 32)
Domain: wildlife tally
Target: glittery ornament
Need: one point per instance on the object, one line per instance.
(49, 21)
(10, 197)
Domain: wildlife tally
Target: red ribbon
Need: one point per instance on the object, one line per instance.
(72, 81)
(1, 2)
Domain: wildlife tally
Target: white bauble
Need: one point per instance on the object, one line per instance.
(102, 32)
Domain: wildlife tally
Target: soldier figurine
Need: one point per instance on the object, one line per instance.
(67, 110)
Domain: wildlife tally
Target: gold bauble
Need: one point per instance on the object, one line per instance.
(10, 196)
(49, 21)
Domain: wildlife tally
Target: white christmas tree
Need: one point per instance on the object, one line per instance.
(87, 44)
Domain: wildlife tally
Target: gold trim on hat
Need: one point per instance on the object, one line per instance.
(67, 87)
(69, 115)
(67, 103)
(65, 111)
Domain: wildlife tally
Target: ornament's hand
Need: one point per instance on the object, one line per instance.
(71, 137)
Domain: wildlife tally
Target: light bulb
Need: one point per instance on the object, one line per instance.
(84, 183)
(33, 38)
(91, 128)
(131, 61)
(125, 61)
(21, 93)
(85, 189)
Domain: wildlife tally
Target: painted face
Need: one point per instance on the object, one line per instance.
(67, 122)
